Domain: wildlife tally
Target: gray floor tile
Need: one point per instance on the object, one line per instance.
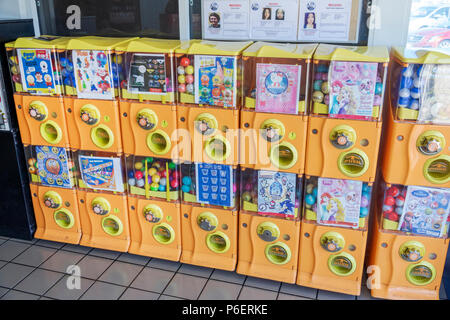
(39, 281)
(329, 295)
(105, 253)
(196, 270)
(3, 291)
(135, 294)
(12, 274)
(103, 291)
(50, 244)
(34, 256)
(185, 286)
(228, 276)
(93, 267)
(133, 258)
(2, 263)
(11, 249)
(46, 298)
(164, 264)
(33, 241)
(4, 238)
(17, 295)
(218, 290)
(365, 294)
(61, 260)
(262, 283)
(249, 293)
(2, 241)
(121, 273)
(296, 290)
(151, 279)
(284, 296)
(164, 297)
(77, 248)
(61, 290)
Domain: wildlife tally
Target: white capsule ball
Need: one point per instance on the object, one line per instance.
(180, 70)
(190, 88)
(140, 183)
(405, 93)
(132, 182)
(408, 72)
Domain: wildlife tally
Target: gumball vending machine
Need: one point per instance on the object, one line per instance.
(410, 236)
(343, 141)
(209, 215)
(154, 207)
(208, 85)
(276, 79)
(269, 224)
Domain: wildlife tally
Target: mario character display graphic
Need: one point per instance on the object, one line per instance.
(101, 173)
(339, 202)
(215, 81)
(37, 71)
(277, 88)
(148, 74)
(352, 89)
(276, 193)
(53, 167)
(425, 211)
(93, 76)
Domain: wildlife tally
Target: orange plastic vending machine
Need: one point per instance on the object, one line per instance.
(410, 234)
(209, 215)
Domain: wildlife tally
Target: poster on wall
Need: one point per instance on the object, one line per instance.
(226, 19)
(273, 20)
(325, 20)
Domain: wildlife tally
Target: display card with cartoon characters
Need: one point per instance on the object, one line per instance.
(425, 211)
(215, 80)
(276, 193)
(53, 167)
(339, 202)
(36, 69)
(93, 75)
(215, 184)
(148, 74)
(101, 173)
(352, 89)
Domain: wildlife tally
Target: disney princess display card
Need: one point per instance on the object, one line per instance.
(147, 74)
(277, 88)
(102, 173)
(214, 184)
(37, 71)
(53, 167)
(93, 76)
(276, 193)
(215, 81)
(352, 89)
(339, 202)
(425, 211)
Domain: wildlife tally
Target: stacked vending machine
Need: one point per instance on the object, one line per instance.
(276, 80)
(38, 91)
(148, 119)
(208, 84)
(410, 234)
(91, 74)
(343, 141)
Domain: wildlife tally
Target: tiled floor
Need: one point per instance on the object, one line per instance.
(38, 269)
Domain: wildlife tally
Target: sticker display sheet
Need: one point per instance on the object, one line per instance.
(276, 193)
(36, 70)
(226, 19)
(339, 202)
(93, 76)
(352, 89)
(214, 184)
(148, 74)
(215, 80)
(425, 211)
(102, 173)
(4, 122)
(435, 86)
(274, 20)
(277, 88)
(53, 167)
(325, 20)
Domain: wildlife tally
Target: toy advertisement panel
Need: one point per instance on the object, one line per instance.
(277, 88)
(215, 184)
(102, 173)
(352, 89)
(93, 77)
(148, 74)
(339, 202)
(215, 80)
(53, 167)
(425, 211)
(435, 86)
(37, 70)
(276, 193)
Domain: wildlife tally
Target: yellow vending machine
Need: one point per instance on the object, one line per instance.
(410, 234)
(343, 141)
